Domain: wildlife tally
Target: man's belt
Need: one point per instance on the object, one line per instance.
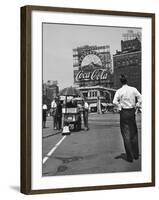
(128, 109)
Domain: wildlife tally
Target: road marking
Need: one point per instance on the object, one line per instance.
(53, 149)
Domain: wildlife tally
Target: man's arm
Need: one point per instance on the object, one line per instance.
(139, 98)
(116, 100)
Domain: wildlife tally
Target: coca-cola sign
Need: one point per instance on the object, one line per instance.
(97, 74)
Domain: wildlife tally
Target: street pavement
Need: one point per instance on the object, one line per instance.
(98, 150)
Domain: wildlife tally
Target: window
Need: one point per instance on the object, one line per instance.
(85, 94)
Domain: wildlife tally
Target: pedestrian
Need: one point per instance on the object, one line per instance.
(44, 111)
(59, 114)
(85, 115)
(128, 99)
(53, 107)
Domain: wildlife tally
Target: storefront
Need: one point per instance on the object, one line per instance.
(98, 97)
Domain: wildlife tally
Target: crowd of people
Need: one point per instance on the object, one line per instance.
(56, 112)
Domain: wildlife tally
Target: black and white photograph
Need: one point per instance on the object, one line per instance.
(88, 91)
(91, 99)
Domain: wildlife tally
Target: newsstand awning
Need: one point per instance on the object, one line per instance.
(92, 105)
(104, 104)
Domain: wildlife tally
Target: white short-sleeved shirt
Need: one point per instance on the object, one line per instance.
(125, 97)
(86, 105)
(53, 104)
(44, 107)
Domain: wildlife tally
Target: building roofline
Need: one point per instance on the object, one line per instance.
(126, 53)
(96, 87)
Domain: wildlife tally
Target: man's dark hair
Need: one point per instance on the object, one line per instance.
(123, 79)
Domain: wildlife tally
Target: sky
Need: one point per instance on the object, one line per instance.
(59, 40)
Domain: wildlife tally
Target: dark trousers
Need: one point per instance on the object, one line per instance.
(85, 118)
(54, 121)
(59, 120)
(129, 132)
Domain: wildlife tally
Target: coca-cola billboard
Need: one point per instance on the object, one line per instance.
(92, 65)
(97, 74)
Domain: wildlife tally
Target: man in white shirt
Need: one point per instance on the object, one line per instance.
(44, 112)
(125, 98)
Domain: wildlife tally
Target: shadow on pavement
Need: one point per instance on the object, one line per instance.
(47, 136)
(122, 156)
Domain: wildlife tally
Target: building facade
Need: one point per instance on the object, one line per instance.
(93, 74)
(128, 62)
(98, 97)
(50, 91)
